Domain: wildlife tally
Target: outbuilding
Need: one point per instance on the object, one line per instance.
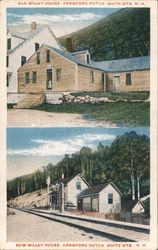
(126, 75)
(102, 198)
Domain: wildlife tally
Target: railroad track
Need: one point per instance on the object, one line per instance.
(114, 233)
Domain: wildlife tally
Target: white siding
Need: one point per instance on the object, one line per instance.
(27, 49)
(138, 208)
(72, 191)
(14, 40)
(106, 208)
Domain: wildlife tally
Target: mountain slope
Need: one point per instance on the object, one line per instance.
(124, 33)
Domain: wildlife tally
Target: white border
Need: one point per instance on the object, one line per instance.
(152, 4)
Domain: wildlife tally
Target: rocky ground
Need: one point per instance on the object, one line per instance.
(30, 200)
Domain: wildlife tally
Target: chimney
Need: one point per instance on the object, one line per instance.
(33, 26)
(69, 44)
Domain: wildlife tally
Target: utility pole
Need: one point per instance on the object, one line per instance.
(62, 198)
(62, 195)
(48, 184)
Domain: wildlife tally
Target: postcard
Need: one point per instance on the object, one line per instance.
(78, 128)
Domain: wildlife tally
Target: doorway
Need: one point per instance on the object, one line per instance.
(49, 79)
(116, 83)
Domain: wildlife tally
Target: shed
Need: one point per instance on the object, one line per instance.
(103, 198)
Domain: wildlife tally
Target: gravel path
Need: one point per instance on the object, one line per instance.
(26, 227)
(35, 118)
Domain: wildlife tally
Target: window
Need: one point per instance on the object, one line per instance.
(34, 77)
(48, 56)
(38, 58)
(78, 185)
(128, 79)
(27, 77)
(7, 61)
(9, 43)
(87, 58)
(36, 46)
(58, 74)
(110, 198)
(102, 78)
(23, 60)
(92, 77)
(7, 80)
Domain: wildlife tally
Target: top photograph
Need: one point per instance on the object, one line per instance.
(78, 67)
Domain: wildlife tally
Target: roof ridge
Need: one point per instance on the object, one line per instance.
(27, 39)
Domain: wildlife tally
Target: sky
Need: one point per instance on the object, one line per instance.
(62, 20)
(29, 149)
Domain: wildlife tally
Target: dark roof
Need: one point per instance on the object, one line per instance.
(96, 189)
(72, 58)
(121, 65)
(80, 52)
(68, 179)
(127, 204)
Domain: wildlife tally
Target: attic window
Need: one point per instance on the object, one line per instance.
(128, 79)
(9, 43)
(23, 60)
(48, 56)
(110, 198)
(36, 46)
(38, 57)
(78, 185)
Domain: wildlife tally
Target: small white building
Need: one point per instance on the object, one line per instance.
(103, 198)
(21, 46)
(72, 187)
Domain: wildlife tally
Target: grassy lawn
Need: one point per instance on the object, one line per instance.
(117, 95)
(122, 114)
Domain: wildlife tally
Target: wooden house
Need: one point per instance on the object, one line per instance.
(21, 46)
(72, 187)
(103, 198)
(54, 70)
(125, 75)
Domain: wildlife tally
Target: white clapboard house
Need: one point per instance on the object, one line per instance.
(102, 198)
(72, 187)
(21, 46)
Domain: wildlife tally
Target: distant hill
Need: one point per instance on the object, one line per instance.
(123, 34)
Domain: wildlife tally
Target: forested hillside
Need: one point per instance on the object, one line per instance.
(125, 162)
(123, 34)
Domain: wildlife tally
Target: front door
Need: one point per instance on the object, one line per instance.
(49, 79)
(116, 81)
(95, 204)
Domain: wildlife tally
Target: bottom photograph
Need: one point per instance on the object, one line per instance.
(78, 184)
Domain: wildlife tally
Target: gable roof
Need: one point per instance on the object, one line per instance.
(124, 65)
(96, 189)
(72, 58)
(31, 34)
(128, 204)
(80, 52)
(65, 181)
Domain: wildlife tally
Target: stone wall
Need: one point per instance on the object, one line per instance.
(14, 98)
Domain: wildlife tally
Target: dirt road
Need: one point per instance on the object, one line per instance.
(25, 227)
(35, 118)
